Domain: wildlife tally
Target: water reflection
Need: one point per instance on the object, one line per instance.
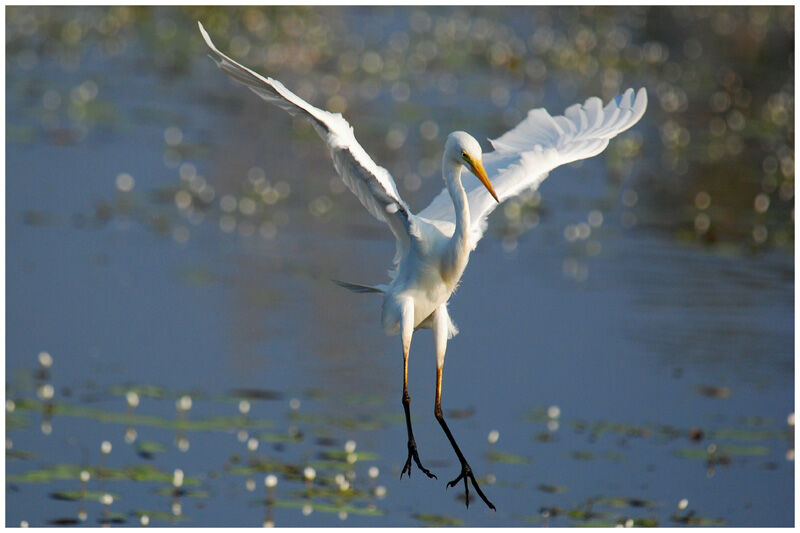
(527, 56)
(159, 233)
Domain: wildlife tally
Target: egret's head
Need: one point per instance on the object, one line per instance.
(461, 148)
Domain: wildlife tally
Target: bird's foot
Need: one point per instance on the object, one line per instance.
(412, 454)
(466, 474)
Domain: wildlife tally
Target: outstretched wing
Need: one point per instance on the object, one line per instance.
(540, 143)
(372, 184)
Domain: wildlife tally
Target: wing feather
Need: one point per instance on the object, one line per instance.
(525, 155)
(372, 184)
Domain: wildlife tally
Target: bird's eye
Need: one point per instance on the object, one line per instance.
(464, 154)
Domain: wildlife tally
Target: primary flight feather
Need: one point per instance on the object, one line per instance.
(433, 246)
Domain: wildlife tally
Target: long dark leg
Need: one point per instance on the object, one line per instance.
(412, 445)
(466, 470)
(408, 330)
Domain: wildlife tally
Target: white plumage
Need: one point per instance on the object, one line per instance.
(433, 246)
(524, 156)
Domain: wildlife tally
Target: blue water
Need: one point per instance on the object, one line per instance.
(629, 340)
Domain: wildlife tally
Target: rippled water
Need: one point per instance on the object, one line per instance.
(171, 240)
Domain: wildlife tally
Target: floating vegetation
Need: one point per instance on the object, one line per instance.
(67, 471)
(330, 508)
(544, 437)
(159, 516)
(75, 495)
(713, 391)
(112, 517)
(222, 423)
(280, 437)
(68, 521)
(331, 489)
(332, 465)
(692, 519)
(19, 454)
(722, 454)
(183, 493)
(437, 520)
(145, 391)
(148, 449)
(713, 167)
(256, 394)
(355, 424)
(508, 458)
(552, 489)
(348, 457)
(595, 523)
(16, 421)
(756, 439)
(747, 434)
(620, 502)
(337, 493)
(587, 514)
(582, 455)
(265, 466)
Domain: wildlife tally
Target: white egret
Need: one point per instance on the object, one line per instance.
(433, 246)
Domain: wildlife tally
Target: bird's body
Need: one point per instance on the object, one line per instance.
(429, 273)
(433, 246)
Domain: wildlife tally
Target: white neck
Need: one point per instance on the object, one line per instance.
(458, 251)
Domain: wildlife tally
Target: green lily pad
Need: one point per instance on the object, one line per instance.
(495, 456)
(756, 451)
(256, 394)
(145, 391)
(713, 391)
(552, 489)
(160, 516)
(262, 465)
(340, 466)
(364, 424)
(332, 492)
(19, 454)
(66, 521)
(75, 495)
(183, 493)
(620, 502)
(747, 434)
(364, 399)
(723, 452)
(341, 455)
(221, 423)
(65, 471)
(537, 415)
(437, 520)
(692, 453)
(587, 516)
(582, 456)
(330, 508)
(544, 436)
(147, 449)
(16, 421)
(280, 437)
(112, 517)
(692, 519)
(595, 523)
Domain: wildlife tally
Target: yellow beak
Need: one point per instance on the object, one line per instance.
(477, 168)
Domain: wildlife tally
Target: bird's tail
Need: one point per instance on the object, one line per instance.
(361, 289)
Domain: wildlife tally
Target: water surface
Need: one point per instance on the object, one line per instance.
(170, 235)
